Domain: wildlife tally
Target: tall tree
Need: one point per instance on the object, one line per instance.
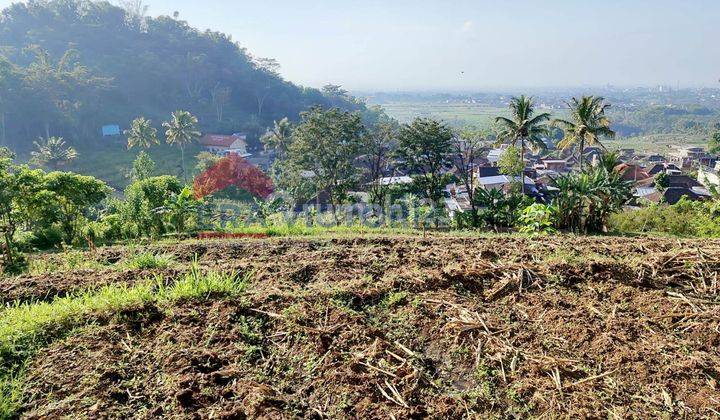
(53, 153)
(181, 130)
(523, 127)
(379, 148)
(279, 138)
(467, 154)
(587, 126)
(141, 134)
(425, 147)
(326, 146)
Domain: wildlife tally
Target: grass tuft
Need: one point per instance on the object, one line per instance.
(27, 327)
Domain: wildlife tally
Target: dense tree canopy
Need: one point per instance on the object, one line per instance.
(67, 67)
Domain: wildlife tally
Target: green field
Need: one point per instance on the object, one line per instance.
(455, 114)
(482, 116)
(112, 162)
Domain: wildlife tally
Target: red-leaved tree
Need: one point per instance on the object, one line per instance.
(233, 170)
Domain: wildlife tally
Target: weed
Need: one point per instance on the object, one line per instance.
(27, 327)
(149, 261)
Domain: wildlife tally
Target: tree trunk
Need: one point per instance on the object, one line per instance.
(582, 149)
(522, 161)
(182, 163)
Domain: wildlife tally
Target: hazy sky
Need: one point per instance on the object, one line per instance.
(466, 44)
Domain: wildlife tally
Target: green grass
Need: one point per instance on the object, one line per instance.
(25, 328)
(71, 260)
(110, 161)
(149, 261)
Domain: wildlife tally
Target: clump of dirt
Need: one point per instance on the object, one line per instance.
(409, 327)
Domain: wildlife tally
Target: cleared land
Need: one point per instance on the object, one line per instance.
(371, 327)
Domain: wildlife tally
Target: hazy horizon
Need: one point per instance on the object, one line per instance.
(470, 45)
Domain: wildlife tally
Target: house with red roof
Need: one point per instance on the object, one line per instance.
(222, 144)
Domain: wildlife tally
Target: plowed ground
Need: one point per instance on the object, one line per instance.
(397, 327)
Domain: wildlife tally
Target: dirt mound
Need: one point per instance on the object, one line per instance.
(407, 327)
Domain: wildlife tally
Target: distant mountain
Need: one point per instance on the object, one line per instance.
(68, 67)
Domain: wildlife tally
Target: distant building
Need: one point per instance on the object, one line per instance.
(395, 180)
(110, 130)
(224, 144)
(503, 182)
(709, 177)
(557, 165)
(632, 172)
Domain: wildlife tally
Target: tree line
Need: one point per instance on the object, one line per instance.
(68, 67)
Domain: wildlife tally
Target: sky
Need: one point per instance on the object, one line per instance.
(459, 45)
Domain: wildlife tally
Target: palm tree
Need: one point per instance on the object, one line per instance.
(181, 130)
(51, 152)
(141, 134)
(588, 124)
(279, 138)
(523, 127)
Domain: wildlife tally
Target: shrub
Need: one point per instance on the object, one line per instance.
(538, 218)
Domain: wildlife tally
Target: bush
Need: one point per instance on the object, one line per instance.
(538, 218)
(685, 218)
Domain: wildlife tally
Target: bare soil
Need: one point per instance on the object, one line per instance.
(399, 327)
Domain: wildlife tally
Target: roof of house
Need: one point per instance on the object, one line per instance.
(674, 181)
(394, 180)
(485, 171)
(674, 194)
(632, 172)
(501, 179)
(220, 140)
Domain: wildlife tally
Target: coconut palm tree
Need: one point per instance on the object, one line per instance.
(53, 153)
(181, 130)
(141, 134)
(523, 127)
(279, 138)
(588, 124)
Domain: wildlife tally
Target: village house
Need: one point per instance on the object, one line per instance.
(678, 186)
(556, 165)
(709, 177)
(223, 144)
(667, 168)
(631, 172)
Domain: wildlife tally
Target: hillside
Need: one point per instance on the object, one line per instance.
(368, 327)
(70, 67)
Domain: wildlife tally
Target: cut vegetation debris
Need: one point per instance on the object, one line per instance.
(369, 327)
(27, 327)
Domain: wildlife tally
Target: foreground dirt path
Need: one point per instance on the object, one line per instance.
(403, 327)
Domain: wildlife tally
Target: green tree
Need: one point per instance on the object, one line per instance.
(181, 130)
(52, 153)
(380, 146)
(279, 138)
(467, 154)
(325, 147)
(179, 207)
(143, 167)
(142, 198)
(425, 147)
(587, 199)
(72, 196)
(141, 134)
(512, 164)
(662, 181)
(10, 189)
(714, 143)
(524, 127)
(587, 126)
(205, 161)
